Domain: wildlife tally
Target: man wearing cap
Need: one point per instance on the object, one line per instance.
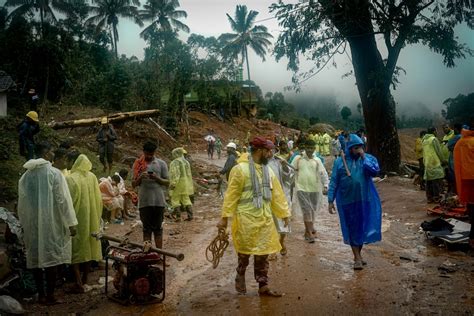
(27, 130)
(253, 196)
(106, 138)
(231, 159)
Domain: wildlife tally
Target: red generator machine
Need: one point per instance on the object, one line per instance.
(139, 275)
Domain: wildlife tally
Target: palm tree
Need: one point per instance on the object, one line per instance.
(163, 16)
(246, 34)
(107, 12)
(45, 8)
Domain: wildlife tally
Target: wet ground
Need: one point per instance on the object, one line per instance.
(402, 276)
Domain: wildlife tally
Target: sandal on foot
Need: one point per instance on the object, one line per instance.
(309, 239)
(240, 286)
(283, 251)
(265, 291)
(358, 265)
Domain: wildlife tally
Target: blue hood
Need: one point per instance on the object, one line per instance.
(354, 140)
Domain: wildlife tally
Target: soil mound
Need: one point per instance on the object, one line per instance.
(322, 128)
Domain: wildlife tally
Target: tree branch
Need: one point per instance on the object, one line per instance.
(405, 28)
(331, 55)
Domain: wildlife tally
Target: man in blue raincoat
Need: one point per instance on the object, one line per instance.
(358, 203)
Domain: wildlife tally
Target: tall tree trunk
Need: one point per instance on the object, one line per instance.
(114, 31)
(377, 102)
(250, 84)
(42, 21)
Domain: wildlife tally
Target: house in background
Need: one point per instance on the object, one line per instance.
(6, 83)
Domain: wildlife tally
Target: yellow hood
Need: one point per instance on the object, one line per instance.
(177, 152)
(82, 163)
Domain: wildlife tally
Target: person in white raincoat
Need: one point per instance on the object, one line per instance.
(48, 219)
(310, 184)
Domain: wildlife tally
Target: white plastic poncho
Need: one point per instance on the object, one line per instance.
(46, 212)
(311, 179)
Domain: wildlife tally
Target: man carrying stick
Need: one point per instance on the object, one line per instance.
(253, 195)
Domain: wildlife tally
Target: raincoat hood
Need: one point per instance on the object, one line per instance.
(35, 163)
(354, 140)
(177, 152)
(82, 163)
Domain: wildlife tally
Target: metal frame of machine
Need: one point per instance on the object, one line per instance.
(121, 254)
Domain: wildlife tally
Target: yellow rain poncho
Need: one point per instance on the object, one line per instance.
(46, 212)
(181, 179)
(433, 158)
(325, 141)
(87, 201)
(253, 230)
(315, 138)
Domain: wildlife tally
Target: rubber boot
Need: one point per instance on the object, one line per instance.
(177, 214)
(189, 211)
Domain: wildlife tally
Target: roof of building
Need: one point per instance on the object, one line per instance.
(6, 82)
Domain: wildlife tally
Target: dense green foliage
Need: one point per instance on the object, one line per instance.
(346, 113)
(67, 51)
(460, 108)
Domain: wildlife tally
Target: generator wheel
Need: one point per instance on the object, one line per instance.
(132, 300)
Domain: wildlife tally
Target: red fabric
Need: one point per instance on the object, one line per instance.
(464, 166)
(260, 142)
(139, 166)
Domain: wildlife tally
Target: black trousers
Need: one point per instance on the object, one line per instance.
(434, 188)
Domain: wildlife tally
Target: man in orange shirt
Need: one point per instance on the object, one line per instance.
(464, 170)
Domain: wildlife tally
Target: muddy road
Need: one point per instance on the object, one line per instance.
(402, 276)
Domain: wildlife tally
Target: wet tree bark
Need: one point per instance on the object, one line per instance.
(377, 102)
(373, 77)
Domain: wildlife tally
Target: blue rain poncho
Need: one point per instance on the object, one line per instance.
(358, 202)
(46, 212)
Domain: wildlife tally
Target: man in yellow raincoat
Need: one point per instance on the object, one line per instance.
(326, 141)
(87, 201)
(448, 134)
(316, 140)
(181, 184)
(252, 196)
(433, 159)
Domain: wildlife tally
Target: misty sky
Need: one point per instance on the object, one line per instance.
(427, 81)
